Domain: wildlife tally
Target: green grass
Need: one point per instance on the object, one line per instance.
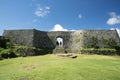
(52, 67)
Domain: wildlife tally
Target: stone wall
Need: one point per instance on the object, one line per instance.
(42, 40)
(20, 37)
(103, 38)
(73, 41)
(94, 39)
(66, 36)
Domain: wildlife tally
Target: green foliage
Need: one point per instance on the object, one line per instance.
(3, 43)
(108, 43)
(112, 43)
(100, 51)
(24, 50)
(105, 42)
(9, 45)
(14, 51)
(94, 43)
(77, 41)
(1, 49)
(6, 43)
(7, 53)
(117, 49)
(4, 53)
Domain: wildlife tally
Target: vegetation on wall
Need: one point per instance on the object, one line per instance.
(24, 50)
(7, 53)
(94, 42)
(104, 41)
(3, 42)
(100, 51)
(6, 50)
(10, 50)
(112, 43)
(110, 46)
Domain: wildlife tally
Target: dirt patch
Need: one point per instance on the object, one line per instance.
(29, 67)
(67, 55)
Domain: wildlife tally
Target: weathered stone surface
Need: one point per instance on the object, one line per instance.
(59, 50)
(73, 41)
(20, 37)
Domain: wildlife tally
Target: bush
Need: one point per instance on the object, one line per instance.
(12, 55)
(7, 53)
(0, 53)
(117, 49)
(3, 43)
(104, 51)
(1, 49)
(24, 51)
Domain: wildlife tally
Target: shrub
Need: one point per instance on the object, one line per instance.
(101, 51)
(1, 49)
(24, 51)
(0, 53)
(9, 45)
(94, 42)
(7, 53)
(112, 43)
(3, 43)
(12, 55)
(117, 49)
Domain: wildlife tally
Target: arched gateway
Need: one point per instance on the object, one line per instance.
(59, 41)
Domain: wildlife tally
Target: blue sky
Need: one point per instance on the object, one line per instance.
(55, 15)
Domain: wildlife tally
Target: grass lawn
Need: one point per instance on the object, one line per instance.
(52, 67)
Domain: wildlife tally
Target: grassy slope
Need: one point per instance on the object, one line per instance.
(51, 67)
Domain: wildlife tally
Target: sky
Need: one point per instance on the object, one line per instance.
(60, 15)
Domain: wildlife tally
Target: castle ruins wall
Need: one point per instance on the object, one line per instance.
(73, 41)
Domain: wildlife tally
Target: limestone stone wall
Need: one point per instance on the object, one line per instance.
(42, 40)
(73, 41)
(20, 37)
(94, 38)
(103, 38)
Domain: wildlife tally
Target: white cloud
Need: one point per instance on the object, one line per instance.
(58, 27)
(72, 30)
(42, 11)
(79, 16)
(114, 19)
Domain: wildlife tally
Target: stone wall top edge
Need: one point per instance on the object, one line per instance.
(18, 29)
(53, 31)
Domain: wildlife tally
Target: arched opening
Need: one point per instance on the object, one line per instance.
(59, 42)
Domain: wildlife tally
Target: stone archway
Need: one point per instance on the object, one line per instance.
(59, 41)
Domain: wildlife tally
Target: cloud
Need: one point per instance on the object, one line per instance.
(114, 19)
(42, 11)
(79, 16)
(58, 27)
